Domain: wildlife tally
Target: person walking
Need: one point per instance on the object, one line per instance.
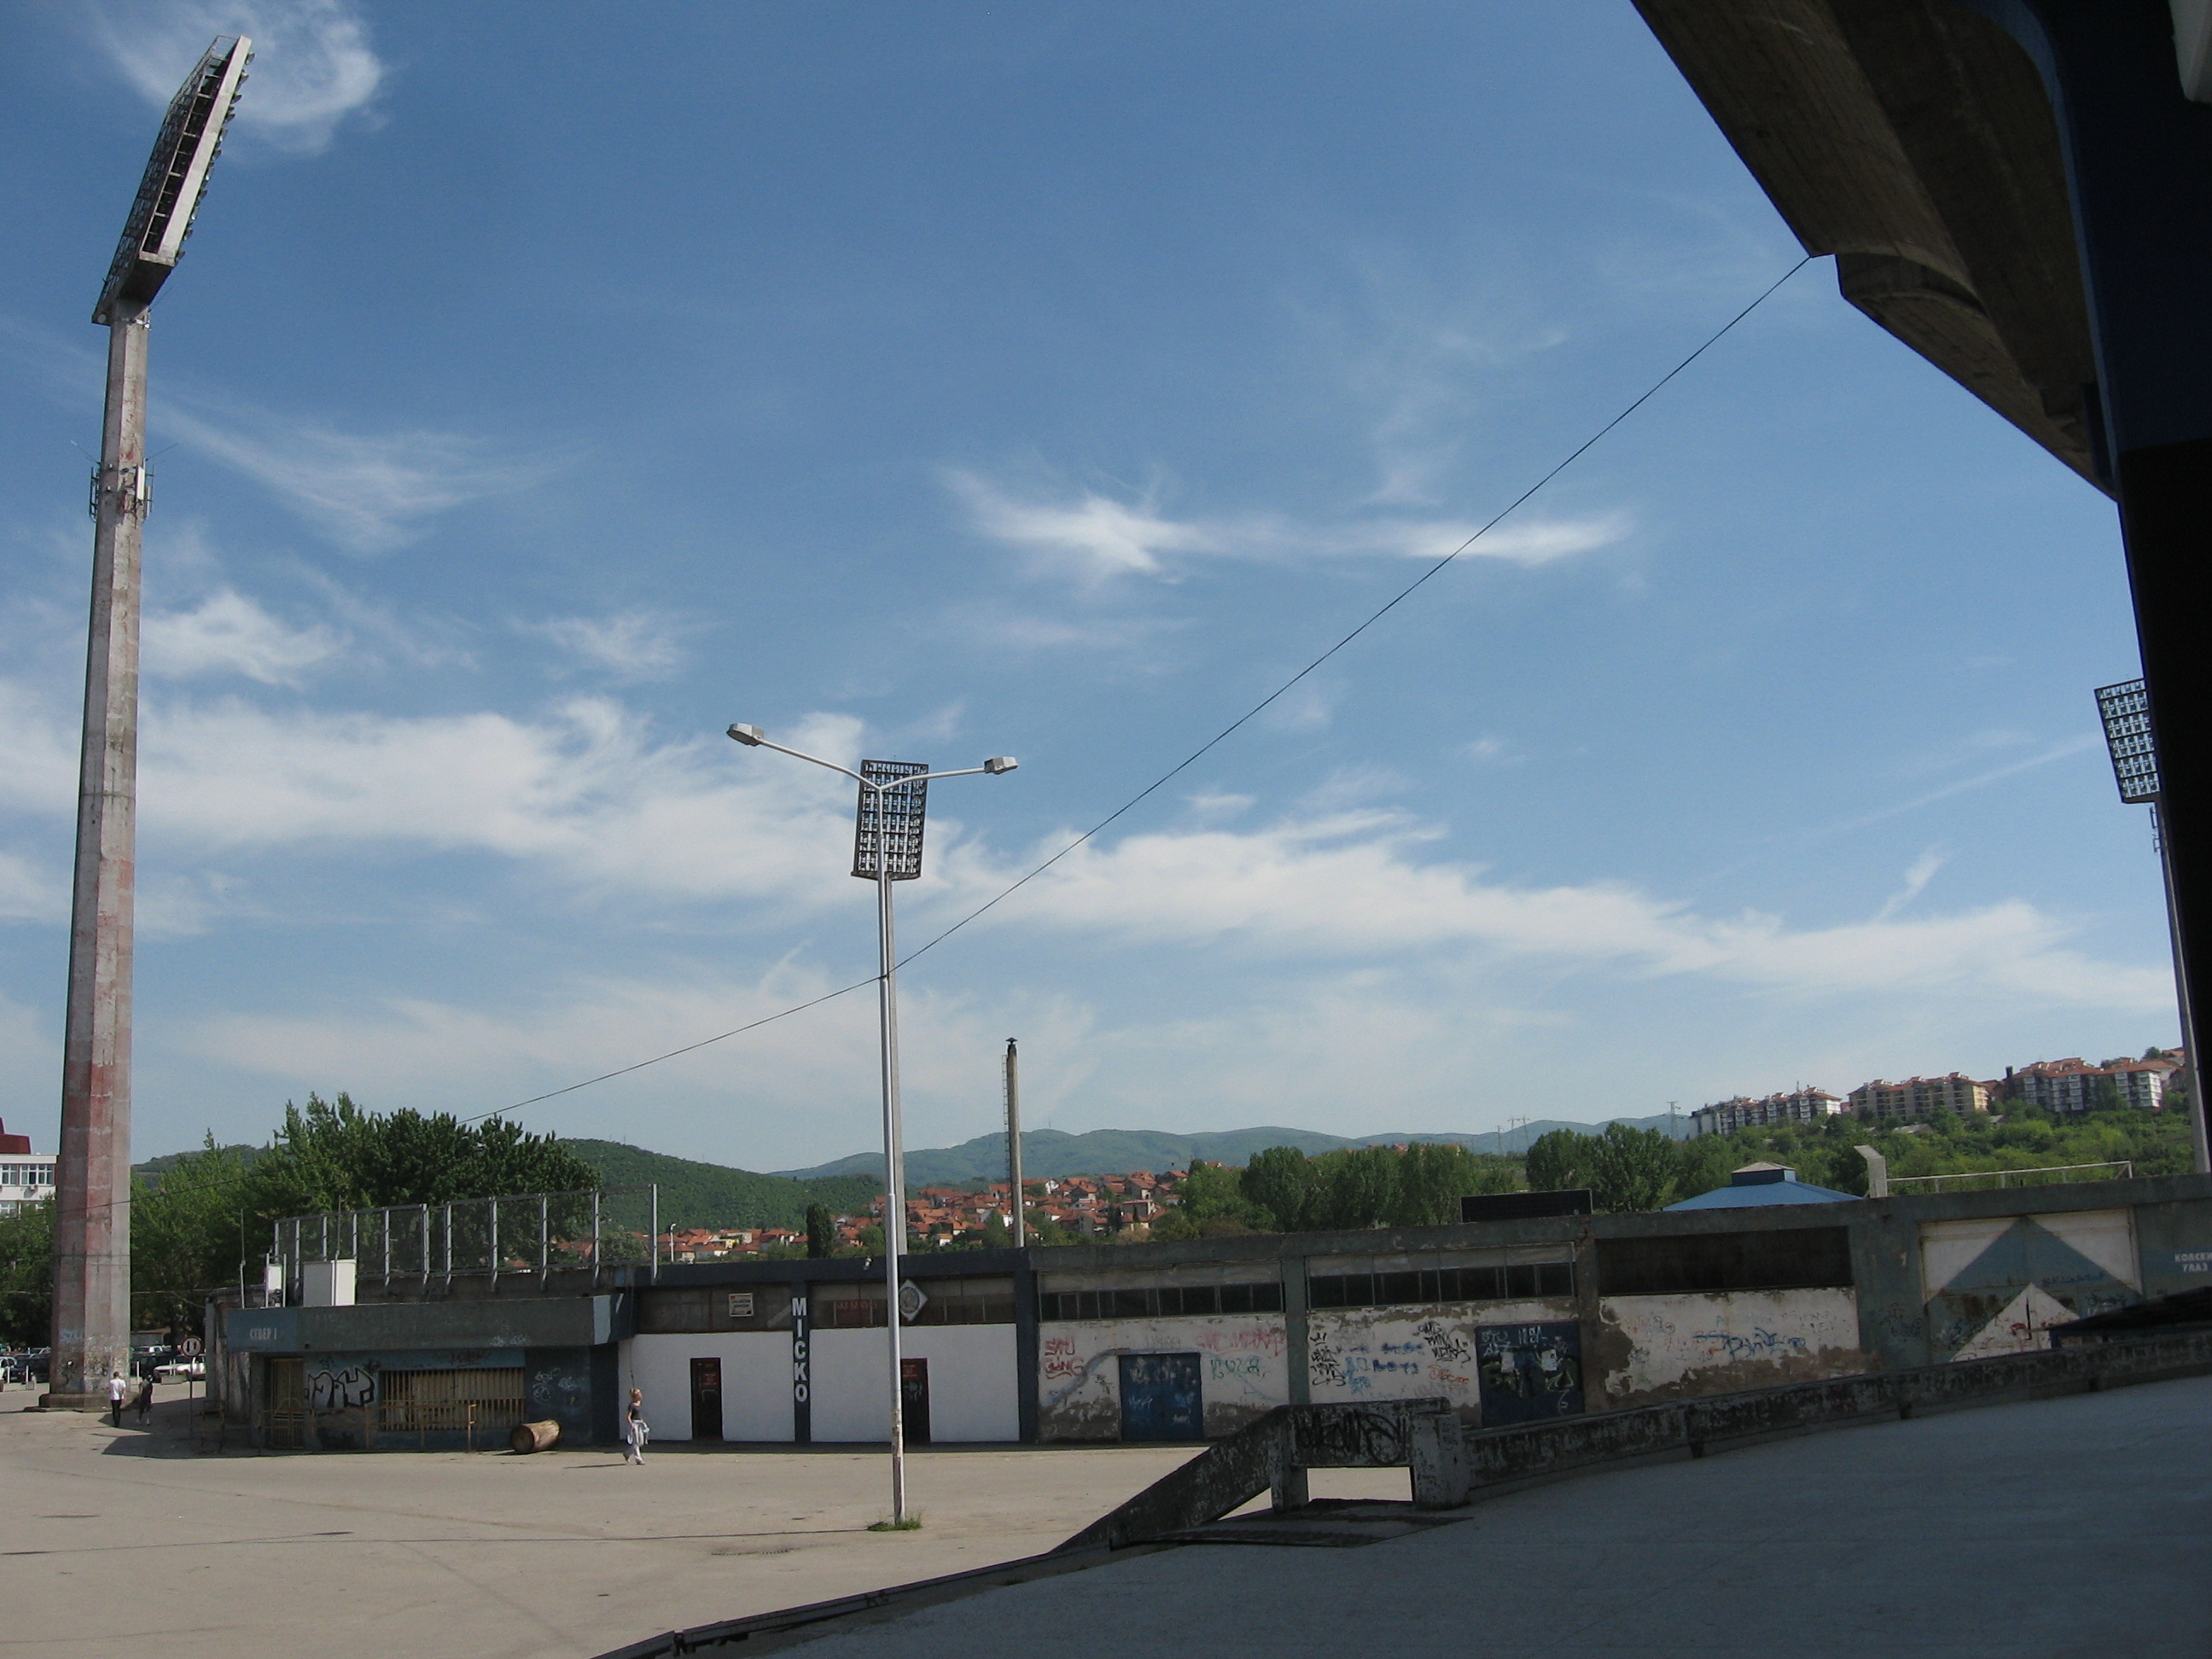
(146, 1401)
(116, 1391)
(634, 1429)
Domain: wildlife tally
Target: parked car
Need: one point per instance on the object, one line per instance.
(179, 1370)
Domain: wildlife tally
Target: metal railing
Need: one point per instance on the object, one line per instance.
(521, 1233)
(2125, 1166)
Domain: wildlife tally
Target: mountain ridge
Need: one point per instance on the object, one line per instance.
(1055, 1153)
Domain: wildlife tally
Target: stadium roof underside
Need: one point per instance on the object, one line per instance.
(1914, 140)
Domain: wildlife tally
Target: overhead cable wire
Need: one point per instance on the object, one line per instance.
(1227, 732)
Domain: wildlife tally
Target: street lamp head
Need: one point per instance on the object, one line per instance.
(999, 763)
(750, 736)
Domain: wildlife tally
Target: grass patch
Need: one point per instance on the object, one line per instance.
(911, 1523)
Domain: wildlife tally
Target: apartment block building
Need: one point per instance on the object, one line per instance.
(1725, 1117)
(2074, 1085)
(1916, 1099)
(25, 1177)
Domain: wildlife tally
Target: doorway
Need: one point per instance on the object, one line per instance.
(706, 1399)
(1160, 1398)
(913, 1400)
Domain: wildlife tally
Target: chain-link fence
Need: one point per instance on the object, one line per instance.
(521, 1233)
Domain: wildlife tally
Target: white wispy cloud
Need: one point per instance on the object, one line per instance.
(367, 492)
(1915, 882)
(587, 791)
(228, 633)
(1092, 539)
(630, 645)
(312, 64)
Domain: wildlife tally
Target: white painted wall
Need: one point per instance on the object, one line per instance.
(1244, 1369)
(756, 1381)
(1409, 1353)
(974, 1389)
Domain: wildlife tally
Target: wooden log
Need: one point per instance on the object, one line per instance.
(534, 1436)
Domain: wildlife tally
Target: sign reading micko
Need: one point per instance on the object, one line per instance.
(802, 1331)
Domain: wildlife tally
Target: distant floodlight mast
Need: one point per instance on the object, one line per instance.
(887, 829)
(92, 1178)
(2132, 743)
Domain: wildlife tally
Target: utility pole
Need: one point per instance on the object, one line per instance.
(887, 835)
(92, 1176)
(1014, 1140)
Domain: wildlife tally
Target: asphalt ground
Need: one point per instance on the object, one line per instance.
(2074, 1527)
(129, 1541)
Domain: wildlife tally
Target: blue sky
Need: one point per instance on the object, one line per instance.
(545, 388)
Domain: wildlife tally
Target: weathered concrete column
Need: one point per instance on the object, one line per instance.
(92, 1208)
(2139, 169)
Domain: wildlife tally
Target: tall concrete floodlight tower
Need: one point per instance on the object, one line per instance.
(92, 1218)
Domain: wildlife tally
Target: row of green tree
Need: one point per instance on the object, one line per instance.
(206, 1216)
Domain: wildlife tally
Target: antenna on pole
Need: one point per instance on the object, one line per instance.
(1014, 1140)
(92, 1177)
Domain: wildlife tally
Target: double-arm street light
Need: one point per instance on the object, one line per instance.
(887, 848)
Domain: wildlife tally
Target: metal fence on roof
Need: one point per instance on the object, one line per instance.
(516, 1233)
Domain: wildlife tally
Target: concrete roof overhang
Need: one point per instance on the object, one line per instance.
(1914, 140)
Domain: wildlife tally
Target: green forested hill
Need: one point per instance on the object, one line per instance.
(694, 1194)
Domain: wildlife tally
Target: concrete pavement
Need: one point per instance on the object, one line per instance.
(2073, 1526)
(128, 1543)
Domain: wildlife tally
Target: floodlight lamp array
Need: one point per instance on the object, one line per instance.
(176, 179)
(888, 830)
(2125, 710)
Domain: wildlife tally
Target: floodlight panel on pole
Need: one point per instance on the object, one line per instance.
(888, 826)
(92, 1173)
(2125, 710)
(176, 178)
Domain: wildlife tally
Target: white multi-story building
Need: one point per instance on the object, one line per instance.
(1919, 1099)
(25, 1177)
(1725, 1117)
(2074, 1085)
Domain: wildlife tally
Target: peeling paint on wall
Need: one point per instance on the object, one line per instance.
(1242, 1370)
(1668, 1347)
(1356, 1354)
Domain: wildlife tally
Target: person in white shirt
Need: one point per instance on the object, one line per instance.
(117, 1389)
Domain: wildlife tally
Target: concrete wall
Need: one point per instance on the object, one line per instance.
(1360, 1354)
(1652, 1348)
(973, 1382)
(1244, 1369)
(756, 1381)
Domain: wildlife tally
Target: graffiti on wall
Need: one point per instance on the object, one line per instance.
(1665, 1347)
(1239, 1363)
(1404, 1354)
(1529, 1372)
(329, 1390)
(1996, 1285)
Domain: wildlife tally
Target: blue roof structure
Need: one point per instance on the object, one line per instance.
(1763, 1183)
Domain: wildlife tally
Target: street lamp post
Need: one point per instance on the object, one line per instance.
(2124, 710)
(887, 848)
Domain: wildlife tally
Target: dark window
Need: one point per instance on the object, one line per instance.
(1548, 1279)
(1405, 1287)
(1166, 1301)
(1798, 1258)
(675, 1310)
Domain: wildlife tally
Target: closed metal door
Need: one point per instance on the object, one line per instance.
(913, 1400)
(706, 1399)
(1160, 1397)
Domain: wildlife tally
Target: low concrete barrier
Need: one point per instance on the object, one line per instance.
(1450, 1466)
(1275, 1452)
